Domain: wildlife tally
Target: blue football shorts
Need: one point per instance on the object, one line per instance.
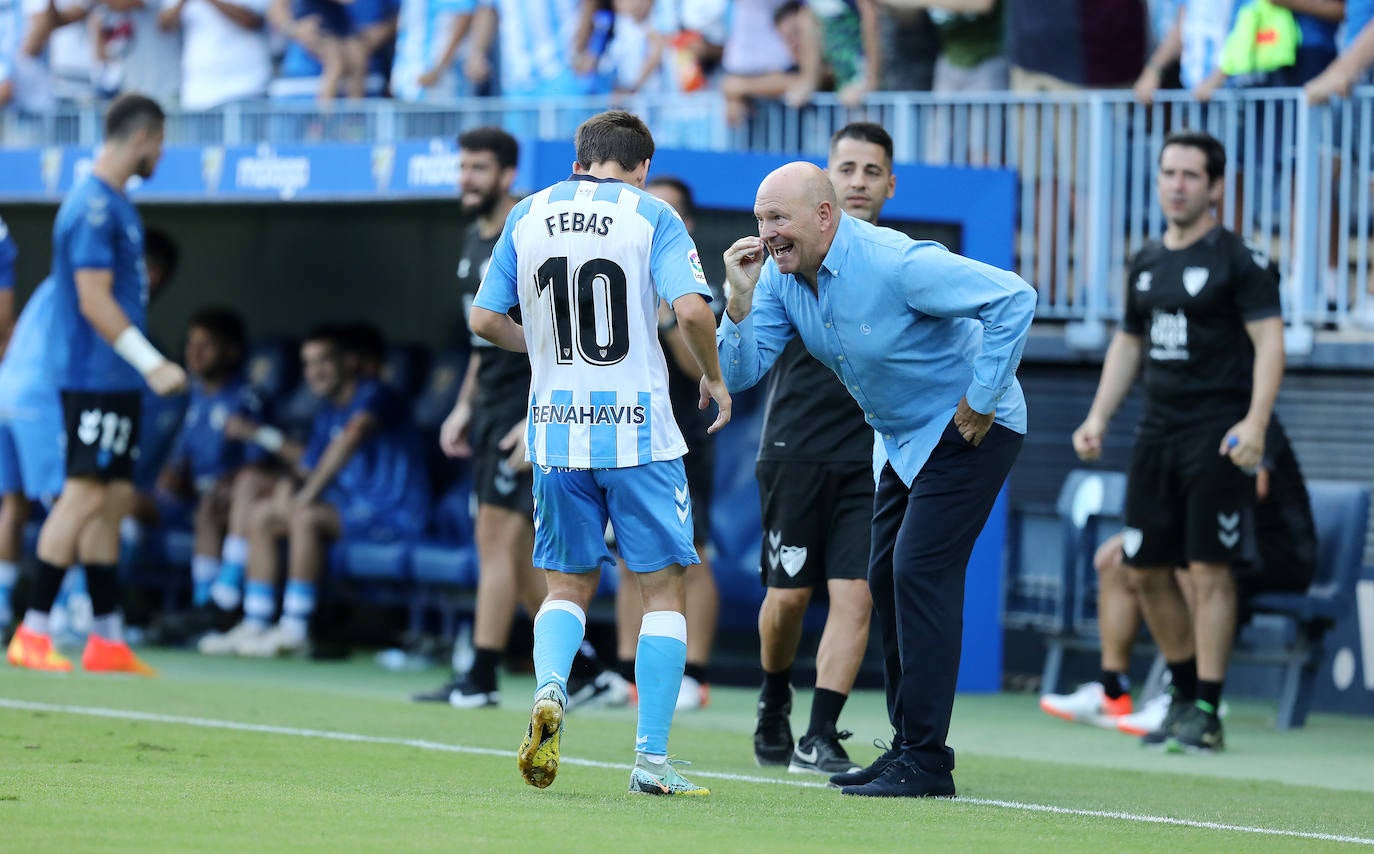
(32, 456)
(649, 505)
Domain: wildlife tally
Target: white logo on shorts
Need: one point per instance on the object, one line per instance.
(1130, 541)
(793, 559)
(1228, 530)
(89, 428)
(682, 502)
(504, 481)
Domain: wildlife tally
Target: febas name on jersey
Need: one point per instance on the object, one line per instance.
(587, 260)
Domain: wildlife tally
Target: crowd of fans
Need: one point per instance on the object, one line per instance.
(202, 54)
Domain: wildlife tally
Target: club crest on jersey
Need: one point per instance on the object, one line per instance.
(1131, 538)
(1143, 281)
(1194, 280)
(695, 260)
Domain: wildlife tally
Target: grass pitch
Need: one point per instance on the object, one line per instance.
(227, 755)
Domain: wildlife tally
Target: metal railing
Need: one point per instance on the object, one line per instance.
(1299, 184)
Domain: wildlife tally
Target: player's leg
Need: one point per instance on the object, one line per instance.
(250, 487)
(570, 512)
(210, 523)
(505, 540)
(629, 610)
(848, 502)
(791, 565)
(1104, 702)
(38, 444)
(310, 530)
(703, 597)
(655, 540)
(98, 552)
(14, 512)
(265, 522)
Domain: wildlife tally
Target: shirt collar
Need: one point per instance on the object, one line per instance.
(583, 176)
(839, 247)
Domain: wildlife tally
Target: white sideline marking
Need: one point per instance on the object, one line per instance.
(422, 744)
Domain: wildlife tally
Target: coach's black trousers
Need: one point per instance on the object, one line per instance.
(922, 539)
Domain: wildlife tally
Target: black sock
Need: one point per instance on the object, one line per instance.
(47, 581)
(1184, 675)
(626, 668)
(777, 687)
(483, 670)
(103, 585)
(1208, 695)
(826, 706)
(1114, 684)
(696, 671)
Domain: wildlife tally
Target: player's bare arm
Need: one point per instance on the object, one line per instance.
(1119, 370)
(499, 329)
(335, 457)
(698, 327)
(1244, 443)
(95, 291)
(453, 433)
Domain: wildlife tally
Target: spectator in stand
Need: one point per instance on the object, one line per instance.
(697, 40)
(430, 51)
(11, 34)
(772, 51)
(634, 56)
(56, 56)
(1351, 67)
(908, 37)
(134, 54)
(1284, 46)
(850, 45)
(1196, 42)
(225, 55)
(333, 48)
(538, 45)
(972, 50)
(1061, 45)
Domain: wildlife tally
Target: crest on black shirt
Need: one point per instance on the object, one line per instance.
(1194, 280)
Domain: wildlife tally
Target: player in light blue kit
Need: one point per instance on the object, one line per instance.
(97, 360)
(9, 500)
(587, 260)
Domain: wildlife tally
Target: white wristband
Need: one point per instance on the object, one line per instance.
(269, 438)
(133, 348)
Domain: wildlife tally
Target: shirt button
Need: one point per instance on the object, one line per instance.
(868, 415)
(853, 388)
(827, 326)
(842, 358)
(889, 437)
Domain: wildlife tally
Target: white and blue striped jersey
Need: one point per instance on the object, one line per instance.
(11, 34)
(587, 260)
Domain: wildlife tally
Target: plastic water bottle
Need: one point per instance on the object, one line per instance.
(1231, 442)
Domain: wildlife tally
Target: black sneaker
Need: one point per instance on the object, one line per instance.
(822, 753)
(890, 754)
(773, 742)
(1160, 737)
(605, 689)
(903, 779)
(467, 694)
(438, 695)
(1198, 731)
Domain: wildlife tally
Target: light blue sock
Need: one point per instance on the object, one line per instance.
(558, 630)
(659, 661)
(204, 571)
(297, 605)
(259, 602)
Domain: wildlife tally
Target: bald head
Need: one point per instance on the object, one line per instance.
(797, 211)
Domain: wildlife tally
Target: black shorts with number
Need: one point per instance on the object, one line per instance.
(817, 521)
(102, 433)
(495, 482)
(1186, 502)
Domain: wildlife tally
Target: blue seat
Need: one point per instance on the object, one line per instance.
(440, 390)
(1066, 606)
(446, 563)
(1341, 511)
(273, 367)
(375, 561)
(405, 368)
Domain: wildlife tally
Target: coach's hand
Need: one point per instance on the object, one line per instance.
(972, 425)
(167, 378)
(715, 391)
(1087, 439)
(743, 265)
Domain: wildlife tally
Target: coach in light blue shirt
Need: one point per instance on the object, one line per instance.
(928, 343)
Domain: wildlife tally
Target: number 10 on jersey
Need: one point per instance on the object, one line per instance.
(593, 300)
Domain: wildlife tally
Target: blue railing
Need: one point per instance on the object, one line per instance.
(1299, 186)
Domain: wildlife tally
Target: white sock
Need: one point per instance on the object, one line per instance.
(36, 621)
(109, 627)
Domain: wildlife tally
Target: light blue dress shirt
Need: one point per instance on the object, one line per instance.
(907, 325)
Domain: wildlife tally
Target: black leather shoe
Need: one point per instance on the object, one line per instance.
(903, 779)
(867, 775)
